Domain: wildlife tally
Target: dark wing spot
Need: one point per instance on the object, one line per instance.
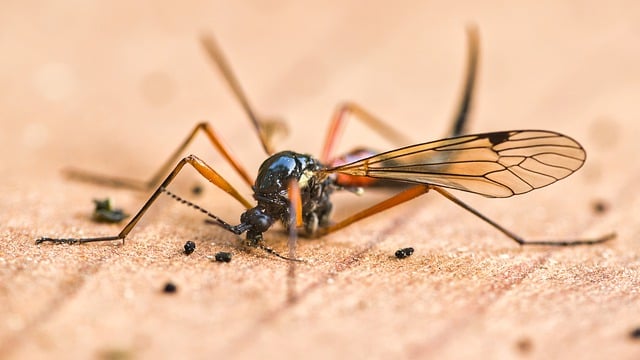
(498, 137)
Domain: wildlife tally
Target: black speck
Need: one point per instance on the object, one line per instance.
(600, 206)
(403, 253)
(104, 212)
(189, 247)
(196, 190)
(223, 256)
(635, 333)
(170, 288)
(498, 137)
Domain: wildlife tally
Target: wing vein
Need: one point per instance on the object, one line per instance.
(498, 164)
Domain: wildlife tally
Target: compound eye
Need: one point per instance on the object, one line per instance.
(261, 223)
(258, 220)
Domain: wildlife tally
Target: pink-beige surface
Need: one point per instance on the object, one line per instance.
(114, 87)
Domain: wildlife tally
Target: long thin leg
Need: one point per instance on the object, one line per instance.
(517, 238)
(397, 199)
(204, 170)
(338, 121)
(218, 59)
(155, 179)
(464, 107)
(418, 190)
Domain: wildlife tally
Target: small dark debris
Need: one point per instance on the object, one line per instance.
(170, 288)
(524, 345)
(223, 256)
(197, 190)
(635, 333)
(189, 247)
(104, 212)
(600, 206)
(403, 253)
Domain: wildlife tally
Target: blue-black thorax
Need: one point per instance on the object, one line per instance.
(271, 193)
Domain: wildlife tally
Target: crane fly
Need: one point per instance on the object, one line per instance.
(295, 189)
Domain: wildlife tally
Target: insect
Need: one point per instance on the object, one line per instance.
(495, 164)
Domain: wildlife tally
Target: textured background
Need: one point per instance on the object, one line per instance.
(114, 87)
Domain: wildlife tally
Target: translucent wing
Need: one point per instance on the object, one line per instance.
(497, 164)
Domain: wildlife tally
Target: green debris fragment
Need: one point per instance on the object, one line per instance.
(104, 212)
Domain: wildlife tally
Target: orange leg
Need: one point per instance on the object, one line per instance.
(403, 196)
(338, 121)
(295, 220)
(266, 129)
(155, 179)
(418, 190)
(204, 170)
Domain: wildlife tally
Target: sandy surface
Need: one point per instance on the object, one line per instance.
(115, 88)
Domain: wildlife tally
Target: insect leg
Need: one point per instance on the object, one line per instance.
(397, 199)
(517, 238)
(155, 179)
(464, 107)
(204, 170)
(460, 120)
(295, 220)
(263, 128)
(338, 121)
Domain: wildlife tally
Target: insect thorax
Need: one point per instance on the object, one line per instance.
(271, 189)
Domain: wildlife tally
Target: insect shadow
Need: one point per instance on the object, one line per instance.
(295, 189)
